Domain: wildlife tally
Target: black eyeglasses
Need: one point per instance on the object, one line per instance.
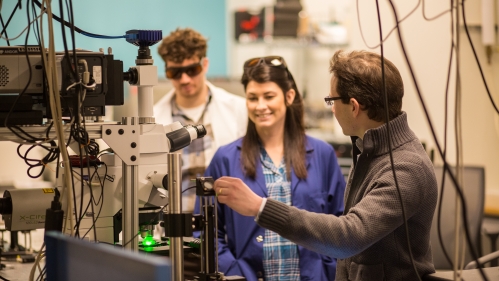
(269, 60)
(191, 70)
(330, 100)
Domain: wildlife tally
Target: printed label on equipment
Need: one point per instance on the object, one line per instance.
(48, 190)
(97, 72)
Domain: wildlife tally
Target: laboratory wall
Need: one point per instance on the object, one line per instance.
(114, 18)
(428, 45)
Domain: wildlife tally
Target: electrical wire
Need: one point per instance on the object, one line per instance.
(88, 34)
(389, 33)
(442, 188)
(73, 188)
(4, 30)
(92, 199)
(402, 20)
(91, 194)
(465, 24)
(39, 256)
(97, 203)
(389, 138)
(72, 70)
(438, 15)
(53, 151)
(453, 178)
(42, 274)
(6, 123)
(8, 39)
(52, 155)
(459, 170)
(55, 106)
(36, 30)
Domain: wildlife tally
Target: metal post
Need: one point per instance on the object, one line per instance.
(146, 103)
(175, 207)
(130, 221)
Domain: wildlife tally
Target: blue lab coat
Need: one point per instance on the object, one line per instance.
(240, 239)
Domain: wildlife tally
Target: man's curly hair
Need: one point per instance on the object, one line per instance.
(182, 44)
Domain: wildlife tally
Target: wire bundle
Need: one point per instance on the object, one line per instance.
(457, 178)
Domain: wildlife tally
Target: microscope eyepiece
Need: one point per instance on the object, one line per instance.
(201, 130)
(184, 136)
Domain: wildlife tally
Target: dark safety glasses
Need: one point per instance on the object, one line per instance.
(191, 70)
(270, 61)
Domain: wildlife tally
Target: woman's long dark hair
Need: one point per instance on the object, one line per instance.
(294, 127)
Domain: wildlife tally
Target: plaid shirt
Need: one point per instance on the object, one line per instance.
(193, 159)
(280, 256)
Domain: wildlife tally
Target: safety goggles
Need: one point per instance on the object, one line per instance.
(269, 60)
(191, 70)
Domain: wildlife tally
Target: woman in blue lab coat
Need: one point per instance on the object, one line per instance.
(276, 159)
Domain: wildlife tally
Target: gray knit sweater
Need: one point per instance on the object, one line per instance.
(369, 239)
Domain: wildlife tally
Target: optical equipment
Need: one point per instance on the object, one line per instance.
(105, 86)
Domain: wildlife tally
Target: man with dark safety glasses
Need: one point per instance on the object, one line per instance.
(194, 100)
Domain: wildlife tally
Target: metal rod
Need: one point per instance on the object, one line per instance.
(130, 205)
(130, 221)
(175, 207)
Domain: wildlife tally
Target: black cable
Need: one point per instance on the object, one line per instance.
(91, 149)
(388, 133)
(65, 44)
(476, 59)
(74, 197)
(82, 184)
(37, 29)
(51, 156)
(92, 198)
(91, 192)
(42, 273)
(442, 188)
(84, 212)
(101, 198)
(4, 30)
(437, 16)
(101, 181)
(12, 128)
(30, 72)
(78, 29)
(71, 20)
(81, 142)
(57, 166)
(389, 33)
(453, 178)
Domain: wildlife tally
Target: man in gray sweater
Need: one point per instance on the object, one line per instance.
(369, 239)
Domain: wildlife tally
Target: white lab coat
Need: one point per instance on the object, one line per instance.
(228, 113)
